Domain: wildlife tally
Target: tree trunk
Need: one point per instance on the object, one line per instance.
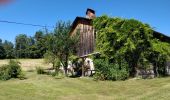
(66, 65)
(53, 65)
(65, 71)
(83, 59)
(133, 70)
(155, 68)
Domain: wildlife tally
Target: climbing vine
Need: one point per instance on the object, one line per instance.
(131, 41)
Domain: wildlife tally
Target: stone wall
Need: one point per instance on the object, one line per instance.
(145, 73)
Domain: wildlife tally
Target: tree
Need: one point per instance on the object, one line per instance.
(30, 47)
(21, 44)
(49, 57)
(2, 51)
(40, 39)
(61, 44)
(9, 49)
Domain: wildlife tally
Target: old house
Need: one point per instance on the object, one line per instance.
(83, 26)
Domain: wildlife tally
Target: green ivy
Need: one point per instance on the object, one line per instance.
(132, 40)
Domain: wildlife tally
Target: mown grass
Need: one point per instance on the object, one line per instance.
(44, 87)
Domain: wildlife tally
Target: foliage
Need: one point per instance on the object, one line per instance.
(12, 70)
(21, 46)
(30, 47)
(61, 44)
(9, 49)
(131, 40)
(22, 76)
(2, 50)
(40, 40)
(36, 46)
(40, 70)
(4, 73)
(49, 57)
(109, 71)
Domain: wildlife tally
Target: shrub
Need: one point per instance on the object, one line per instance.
(40, 70)
(110, 71)
(4, 72)
(21, 76)
(12, 70)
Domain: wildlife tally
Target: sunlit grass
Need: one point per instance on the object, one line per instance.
(44, 87)
(28, 64)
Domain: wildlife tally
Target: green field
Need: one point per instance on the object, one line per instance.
(29, 64)
(43, 87)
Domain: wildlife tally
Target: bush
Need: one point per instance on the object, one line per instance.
(4, 72)
(12, 70)
(40, 70)
(110, 71)
(59, 75)
(21, 76)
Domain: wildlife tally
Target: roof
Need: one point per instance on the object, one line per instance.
(80, 20)
(161, 36)
(87, 21)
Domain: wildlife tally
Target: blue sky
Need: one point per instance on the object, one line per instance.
(48, 12)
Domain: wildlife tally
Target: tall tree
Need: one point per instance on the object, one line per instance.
(9, 49)
(21, 44)
(40, 39)
(2, 51)
(61, 44)
(32, 50)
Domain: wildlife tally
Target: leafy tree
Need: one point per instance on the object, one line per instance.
(40, 40)
(61, 44)
(9, 49)
(2, 51)
(49, 57)
(21, 44)
(29, 47)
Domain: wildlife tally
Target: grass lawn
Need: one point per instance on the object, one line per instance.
(43, 87)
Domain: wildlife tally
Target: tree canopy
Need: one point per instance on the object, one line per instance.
(61, 45)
